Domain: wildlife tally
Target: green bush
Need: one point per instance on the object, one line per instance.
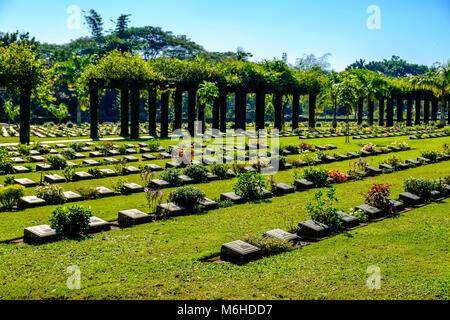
(197, 172)
(9, 180)
(270, 246)
(249, 185)
(422, 187)
(321, 209)
(68, 153)
(294, 149)
(88, 193)
(68, 173)
(10, 196)
(318, 176)
(96, 173)
(171, 176)
(153, 145)
(72, 221)
(430, 154)
(52, 194)
(57, 162)
(187, 197)
(220, 170)
(77, 146)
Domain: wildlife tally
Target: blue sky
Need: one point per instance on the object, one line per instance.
(415, 30)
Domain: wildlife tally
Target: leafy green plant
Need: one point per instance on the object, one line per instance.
(430, 154)
(118, 186)
(171, 176)
(52, 194)
(187, 197)
(72, 221)
(220, 170)
(197, 172)
(9, 180)
(153, 145)
(249, 185)
(68, 173)
(292, 148)
(378, 197)
(96, 173)
(361, 215)
(88, 193)
(318, 176)
(269, 245)
(57, 162)
(423, 187)
(77, 146)
(10, 195)
(68, 153)
(154, 198)
(321, 209)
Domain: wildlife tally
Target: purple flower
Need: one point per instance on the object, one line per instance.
(146, 190)
(153, 191)
(161, 193)
(154, 172)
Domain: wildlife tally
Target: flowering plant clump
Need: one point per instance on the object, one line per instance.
(370, 147)
(361, 165)
(306, 147)
(154, 198)
(378, 197)
(104, 148)
(337, 176)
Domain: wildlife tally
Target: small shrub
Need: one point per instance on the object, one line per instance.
(378, 197)
(153, 145)
(52, 194)
(57, 162)
(187, 197)
(318, 176)
(9, 180)
(269, 246)
(23, 150)
(393, 160)
(249, 185)
(309, 157)
(238, 167)
(77, 146)
(104, 148)
(10, 196)
(292, 148)
(6, 166)
(223, 203)
(337, 176)
(118, 186)
(72, 221)
(122, 149)
(422, 187)
(68, 153)
(321, 209)
(88, 193)
(96, 173)
(171, 176)
(361, 215)
(197, 172)
(220, 170)
(68, 173)
(430, 154)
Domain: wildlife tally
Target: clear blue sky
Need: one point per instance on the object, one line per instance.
(416, 30)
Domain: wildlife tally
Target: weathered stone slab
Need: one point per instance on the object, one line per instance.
(328, 159)
(27, 183)
(174, 164)
(40, 234)
(402, 166)
(282, 188)
(98, 225)
(131, 170)
(372, 171)
(231, 196)
(153, 167)
(128, 218)
(415, 162)
(17, 160)
(208, 204)
(170, 210)
(111, 160)
(239, 252)
(423, 160)
(37, 159)
(386, 166)
(43, 167)
(104, 192)
(365, 153)
(282, 235)
(148, 157)
(132, 188)
(113, 152)
(186, 179)
(312, 230)
(321, 148)
(54, 178)
(72, 196)
(108, 172)
(21, 169)
(165, 155)
(348, 220)
(86, 149)
(372, 212)
(95, 154)
(303, 184)
(159, 184)
(131, 159)
(410, 199)
(31, 202)
(397, 205)
(212, 177)
(91, 162)
(81, 175)
(208, 161)
(352, 155)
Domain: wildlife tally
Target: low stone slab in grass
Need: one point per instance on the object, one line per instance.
(132, 188)
(131, 151)
(266, 194)
(423, 160)
(142, 145)
(312, 230)
(174, 164)
(186, 179)
(54, 178)
(208, 204)
(111, 160)
(129, 146)
(95, 154)
(31, 202)
(165, 155)
(402, 166)
(282, 235)
(91, 162)
(328, 159)
(170, 210)
(212, 177)
(129, 218)
(148, 157)
(145, 150)
(40, 234)
(60, 146)
(321, 148)
(86, 149)
(410, 199)
(397, 205)
(208, 161)
(43, 167)
(239, 252)
(153, 167)
(108, 172)
(79, 155)
(303, 184)
(72, 196)
(17, 160)
(98, 225)
(365, 153)
(27, 183)
(113, 153)
(21, 169)
(37, 159)
(372, 171)
(372, 212)
(395, 148)
(352, 155)
(131, 159)
(414, 162)
(104, 192)
(159, 184)
(386, 166)
(231, 196)
(348, 220)
(282, 189)
(81, 175)
(331, 146)
(131, 170)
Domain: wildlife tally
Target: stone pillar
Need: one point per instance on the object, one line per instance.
(135, 100)
(201, 118)
(389, 112)
(426, 111)
(164, 115)
(25, 101)
(434, 109)
(399, 109)
(191, 110)
(381, 112)
(278, 105)
(178, 108)
(152, 111)
(360, 110)
(295, 110)
(124, 110)
(409, 103)
(259, 109)
(223, 110)
(216, 114)
(371, 104)
(312, 110)
(240, 112)
(418, 106)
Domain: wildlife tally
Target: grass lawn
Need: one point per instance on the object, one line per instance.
(161, 260)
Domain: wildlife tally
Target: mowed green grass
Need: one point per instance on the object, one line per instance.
(161, 260)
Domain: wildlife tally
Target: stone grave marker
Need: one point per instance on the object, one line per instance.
(372, 212)
(313, 230)
(72, 196)
(239, 252)
(231, 196)
(40, 234)
(282, 235)
(27, 183)
(128, 218)
(348, 220)
(31, 202)
(104, 192)
(98, 225)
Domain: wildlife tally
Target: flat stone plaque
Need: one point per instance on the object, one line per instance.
(111, 160)
(131, 159)
(37, 159)
(282, 188)
(95, 154)
(54, 178)
(348, 220)
(174, 164)
(312, 230)
(153, 167)
(148, 157)
(282, 235)
(104, 192)
(231, 196)
(91, 162)
(186, 179)
(386, 166)
(410, 199)
(209, 204)
(43, 167)
(72, 196)
(108, 172)
(372, 212)
(170, 209)
(239, 252)
(27, 183)
(40, 234)
(81, 175)
(131, 170)
(79, 155)
(128, 218)
(133, 188)
(397, 205)
(415, 162)
(98, 225)
(373, 171)
(165, 155)
(113, 152)
(31, 202)
(303, 184)
(21, 169)
(17, 160)
(159, 184)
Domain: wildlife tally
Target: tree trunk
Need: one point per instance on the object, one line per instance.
(295, 109)
(426, 111)
(278, 105)
(152, 111)
(259, 110)
(434, 109)
(191, 111)
(201, 119)
(135, 99)
(360, 110)
(370, 113)
(164, 115)
(216, 114)
(417, 118)
(381, 112)
(409, 102)
(25, 101)
(223, 111)
(312, 110)
(93, 94)
(390, 112)
(124, 111)
(178, 109)
(78, 114)
(399, 109)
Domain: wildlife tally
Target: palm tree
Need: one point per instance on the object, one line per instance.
(329, 95)
(436, 80)
(347, 95)
(70, 71)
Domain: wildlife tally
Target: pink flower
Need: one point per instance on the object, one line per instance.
(146, 190)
